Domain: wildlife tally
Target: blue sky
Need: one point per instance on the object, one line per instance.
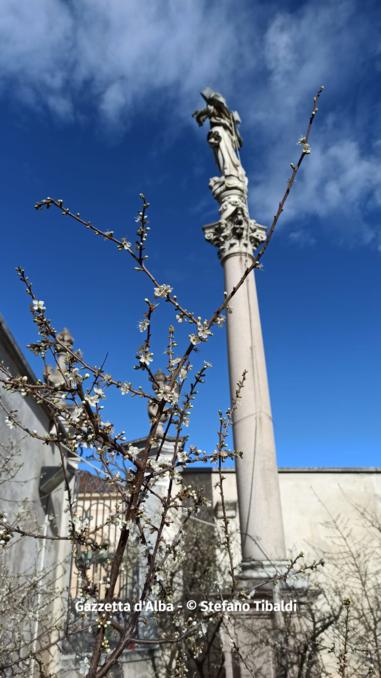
(96, 102)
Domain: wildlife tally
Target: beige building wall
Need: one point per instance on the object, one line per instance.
(312, 498)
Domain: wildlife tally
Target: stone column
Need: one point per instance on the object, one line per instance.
(236, 236)
(257, 476)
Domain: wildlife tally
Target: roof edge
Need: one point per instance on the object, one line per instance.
(15, 351)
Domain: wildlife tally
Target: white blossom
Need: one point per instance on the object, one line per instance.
(38, 305)
(183, 373)
(91, 400)
(9, 422)
(84, 666)
(194, 339)
(125, 387)
(143, 325)
(306, 147)
(162, 290)
(145, 356)
(203, 330)
(167, 395)
(107, 426)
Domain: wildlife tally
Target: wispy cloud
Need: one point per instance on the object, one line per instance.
(340, 186)
(114, 55)
(302, 238)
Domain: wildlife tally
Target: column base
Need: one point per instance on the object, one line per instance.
(269, 576)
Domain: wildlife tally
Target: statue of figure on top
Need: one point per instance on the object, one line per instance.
(234, 232)
(225, 140)
(163, 391)
(56, 375)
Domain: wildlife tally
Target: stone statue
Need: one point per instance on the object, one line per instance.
(235, 231)
(163, 391)
(55, 375)
(225, 140)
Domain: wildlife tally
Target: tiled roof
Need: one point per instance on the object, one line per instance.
(87, 483)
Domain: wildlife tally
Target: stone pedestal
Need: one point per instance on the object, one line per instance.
(162, 453)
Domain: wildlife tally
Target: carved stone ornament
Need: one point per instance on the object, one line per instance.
(164, 391)
(230, 237)
(55, 375)
(235, 232)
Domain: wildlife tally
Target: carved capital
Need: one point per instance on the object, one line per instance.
(235, 232)
(235, 236)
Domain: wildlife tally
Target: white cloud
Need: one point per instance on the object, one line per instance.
(114, 54)
(302, 238)
(119, 57)
(336, 177)
(340, 183)
(35, 51)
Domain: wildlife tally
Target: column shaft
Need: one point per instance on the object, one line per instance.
(257, 477)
